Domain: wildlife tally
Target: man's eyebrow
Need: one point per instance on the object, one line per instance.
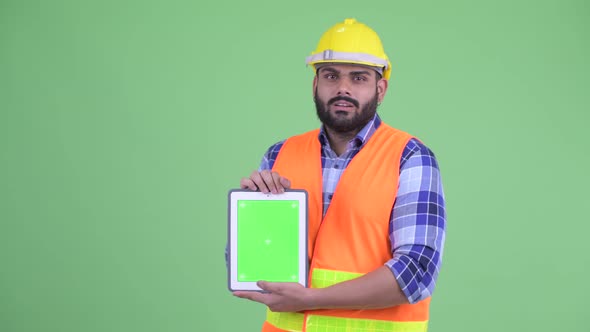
(352, 73)
(330, 69)
(360, 72)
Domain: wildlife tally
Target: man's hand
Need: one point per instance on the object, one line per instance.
(266, 181)
(281, 296)
(374, 290)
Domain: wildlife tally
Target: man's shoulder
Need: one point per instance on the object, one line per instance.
(414, 147)
(417, 146)
(275, 148)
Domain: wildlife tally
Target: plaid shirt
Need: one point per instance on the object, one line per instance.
(418, 218)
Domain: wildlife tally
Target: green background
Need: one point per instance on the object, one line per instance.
(268, 241)
(123, 124)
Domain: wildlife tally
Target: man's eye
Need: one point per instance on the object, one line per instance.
(331, 76)
(360, 78)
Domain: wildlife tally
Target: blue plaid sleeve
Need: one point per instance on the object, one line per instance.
(268, 160)
(418, 222)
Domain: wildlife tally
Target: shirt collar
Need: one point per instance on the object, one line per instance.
(361, 137)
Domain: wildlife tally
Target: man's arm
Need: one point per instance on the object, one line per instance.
(376, 289)
(417, 232)
(418, 223)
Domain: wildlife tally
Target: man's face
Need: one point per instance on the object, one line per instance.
(346, 96)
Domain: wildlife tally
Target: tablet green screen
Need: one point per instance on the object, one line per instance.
(268, 236)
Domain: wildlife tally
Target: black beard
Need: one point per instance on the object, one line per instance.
(356, 123)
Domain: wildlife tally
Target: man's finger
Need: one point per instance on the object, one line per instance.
(259, 182)
(286, 183)
(276, 178)
(268, 180)
(246, 183)
(252, 296)
(271, 287)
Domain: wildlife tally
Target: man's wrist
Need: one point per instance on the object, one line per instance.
(313, 297)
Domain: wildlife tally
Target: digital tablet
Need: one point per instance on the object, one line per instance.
(267, 237)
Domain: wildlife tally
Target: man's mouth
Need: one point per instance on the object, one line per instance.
(343, 104)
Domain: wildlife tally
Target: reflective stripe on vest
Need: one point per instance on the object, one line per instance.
(287, 321)
(322, 278)
(290, 321)
(338, 324)
(293, 322)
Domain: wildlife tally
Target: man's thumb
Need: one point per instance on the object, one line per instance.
(266, 286)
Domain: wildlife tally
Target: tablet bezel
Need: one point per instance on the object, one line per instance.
(239, 194)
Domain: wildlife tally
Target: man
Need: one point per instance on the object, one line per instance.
(376, 205)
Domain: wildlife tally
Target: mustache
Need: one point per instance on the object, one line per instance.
(348, 99)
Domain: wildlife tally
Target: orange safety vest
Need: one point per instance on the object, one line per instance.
(353, 237)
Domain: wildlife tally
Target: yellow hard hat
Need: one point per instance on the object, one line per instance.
(351, 42)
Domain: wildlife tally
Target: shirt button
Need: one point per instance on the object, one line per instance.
(336, 166)
(330, 196)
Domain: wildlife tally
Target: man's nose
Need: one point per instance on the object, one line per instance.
(344, 88)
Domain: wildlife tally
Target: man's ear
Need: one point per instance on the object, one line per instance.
(382, 85)
(314, 85)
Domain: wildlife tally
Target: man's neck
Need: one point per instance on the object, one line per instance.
(339, 141)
